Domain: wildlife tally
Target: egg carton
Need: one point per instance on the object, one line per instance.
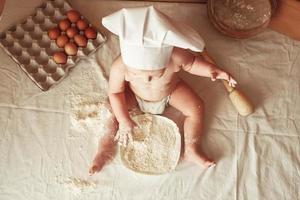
(29, 45)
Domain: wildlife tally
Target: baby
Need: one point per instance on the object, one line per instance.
(152, 77)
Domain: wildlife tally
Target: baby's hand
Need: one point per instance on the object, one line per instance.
(223, 75)
(124, 134)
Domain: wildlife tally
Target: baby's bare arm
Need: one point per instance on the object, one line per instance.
(193, 64)
(116, 91)
(199, 65)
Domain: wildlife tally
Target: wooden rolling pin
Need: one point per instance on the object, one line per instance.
(238, 99)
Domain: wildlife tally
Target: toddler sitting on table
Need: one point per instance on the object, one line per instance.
(153, 51)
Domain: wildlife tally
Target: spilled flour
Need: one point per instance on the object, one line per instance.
(155, 148)
(90, 114)
(77, 186)
(80, 183)
(156, 144)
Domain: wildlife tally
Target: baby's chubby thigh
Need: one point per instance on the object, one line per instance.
(186, 100)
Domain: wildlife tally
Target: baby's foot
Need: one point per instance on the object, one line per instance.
(100, 160)
(192, 155)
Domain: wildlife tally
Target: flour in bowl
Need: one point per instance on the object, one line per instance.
(155, 148)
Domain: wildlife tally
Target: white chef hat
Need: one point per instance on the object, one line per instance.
(147, 36)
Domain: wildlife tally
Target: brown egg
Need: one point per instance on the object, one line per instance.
(80, 40)
(73, 15)
(82, 24)
(62, 40)
(53, 33)
(90, 33)
(64, 24)
(71, 49)
(60, 57)
(71, 32)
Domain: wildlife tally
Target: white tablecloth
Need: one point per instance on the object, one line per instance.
(44, 155)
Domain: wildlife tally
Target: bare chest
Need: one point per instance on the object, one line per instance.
(150, 80)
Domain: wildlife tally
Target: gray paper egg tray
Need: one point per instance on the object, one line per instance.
(29, 45)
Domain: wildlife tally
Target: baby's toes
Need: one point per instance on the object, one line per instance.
(209, 163)
(94, 169)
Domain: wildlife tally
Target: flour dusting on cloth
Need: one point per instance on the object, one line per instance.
(90, 113)
(155, 148)
(78, 186)
(80, 183)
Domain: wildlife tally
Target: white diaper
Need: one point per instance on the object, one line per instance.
(153, 107)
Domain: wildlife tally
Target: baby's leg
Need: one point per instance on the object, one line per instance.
(184, 99)
(106, 148)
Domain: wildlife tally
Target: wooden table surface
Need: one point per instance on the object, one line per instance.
(287, 18)
(1, 6)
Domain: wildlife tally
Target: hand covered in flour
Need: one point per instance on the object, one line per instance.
(124, 134)
(220, 74)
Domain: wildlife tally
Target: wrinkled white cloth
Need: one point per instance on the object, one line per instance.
(257, 157)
